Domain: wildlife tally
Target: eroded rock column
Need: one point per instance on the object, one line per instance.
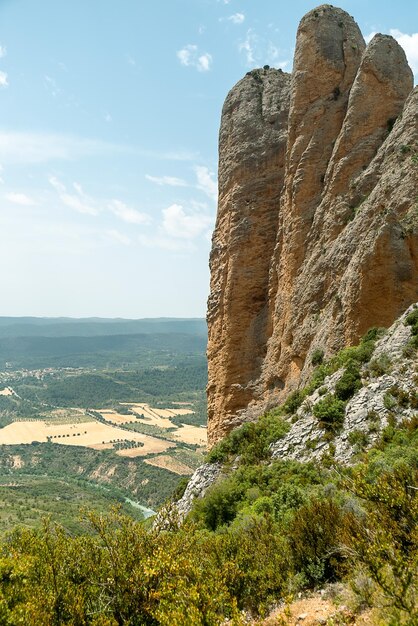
(252, 145)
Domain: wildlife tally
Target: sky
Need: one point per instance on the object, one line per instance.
(109, 119)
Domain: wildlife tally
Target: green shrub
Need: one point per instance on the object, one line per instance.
(293, 402)
(250, 441)
(288, 497)
(253, 560)
(263, 504)
(373, 334)
(389, 402)
(403, 398)
(121, 575)
(412, 320)
(409, 350)
(317, 356)
(330, 412)
(220, 504)
(318, 376)
(386, 541)
(372, 416)
(314, 538)
(180, 488)
(404, 149)
(381, 365)
(413, 399)
(358, 438)
(347, 357)
(288, 483)
(350, 381)
(361, 353)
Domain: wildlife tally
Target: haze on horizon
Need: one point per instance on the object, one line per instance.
(109, 116)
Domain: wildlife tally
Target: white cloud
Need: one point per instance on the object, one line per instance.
(127, 213)
(179, 229)
(52, 86)
(3, 51)
(56, 184)
(4, 79)
(189, 56)
(83, 203)
(78, 204)
(274, 55)
(259, 51)
(206, 181)
(370, 36)
(185, 54)
(204, 62)
(79, 201)
(176, 155)
(410, 44)
(236, 18)
(107, 117)
(19, 198)
(172, 181)
(119, 237)
(178, 224)
(248, 47)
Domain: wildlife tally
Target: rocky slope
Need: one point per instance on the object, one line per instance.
(316, 234)
(388, 383)
(387, 394)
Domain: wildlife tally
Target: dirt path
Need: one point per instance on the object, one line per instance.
(315, 610)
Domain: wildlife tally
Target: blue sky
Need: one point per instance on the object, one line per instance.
(109, 116)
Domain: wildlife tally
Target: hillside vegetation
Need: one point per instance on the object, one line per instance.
(268, 530)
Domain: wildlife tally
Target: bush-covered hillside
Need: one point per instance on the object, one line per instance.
(269, 529)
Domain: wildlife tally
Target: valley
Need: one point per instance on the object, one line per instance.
(91, 436)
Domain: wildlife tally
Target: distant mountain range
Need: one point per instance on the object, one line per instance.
(95, 326)
(32, 342)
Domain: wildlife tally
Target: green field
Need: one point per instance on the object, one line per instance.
(63, 372)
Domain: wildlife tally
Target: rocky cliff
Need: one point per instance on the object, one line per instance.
(383, 396)
(316, 238)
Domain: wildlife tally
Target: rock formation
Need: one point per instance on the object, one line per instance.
(367, 413)
(316, 238)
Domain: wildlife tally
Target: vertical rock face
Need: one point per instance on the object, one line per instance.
(252, 147)
(316, 235)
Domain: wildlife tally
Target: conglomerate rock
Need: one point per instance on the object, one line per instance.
(316, 235)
